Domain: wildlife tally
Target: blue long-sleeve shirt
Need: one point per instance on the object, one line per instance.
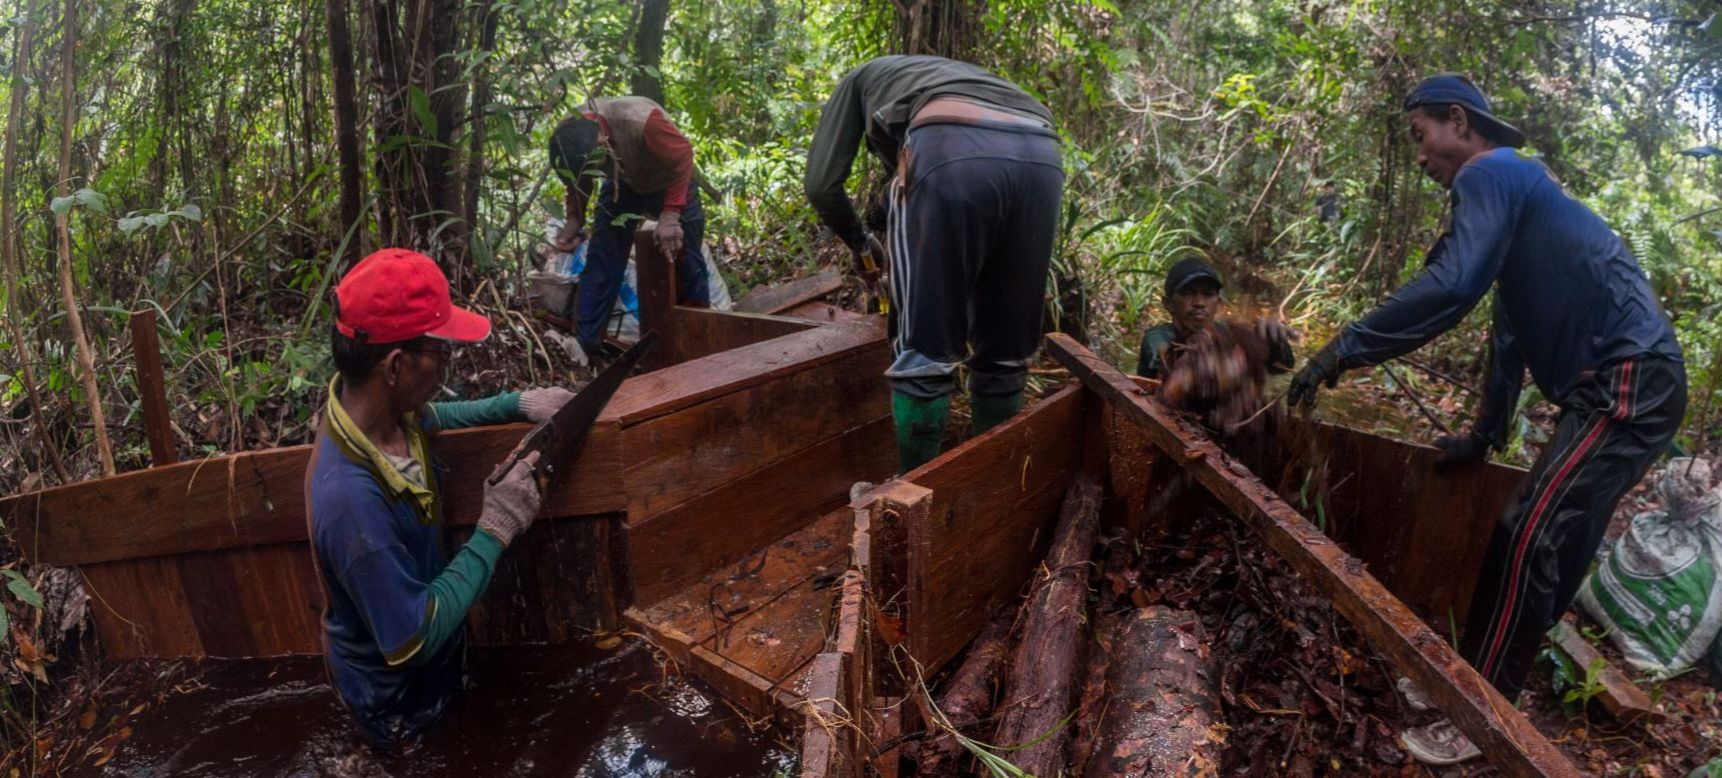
(1569, 296)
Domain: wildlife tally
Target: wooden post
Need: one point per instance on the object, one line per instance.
(656, 279)
(895, 506)
(152, 390)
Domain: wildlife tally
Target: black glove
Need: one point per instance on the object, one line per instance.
(1323, 368)
(874, 251)
(1460, 450)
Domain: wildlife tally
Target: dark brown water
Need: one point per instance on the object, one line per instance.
(543, 711)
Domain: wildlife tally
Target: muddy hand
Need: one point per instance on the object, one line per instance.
(1460, 450)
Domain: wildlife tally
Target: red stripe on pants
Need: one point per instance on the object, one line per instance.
(1623, 408)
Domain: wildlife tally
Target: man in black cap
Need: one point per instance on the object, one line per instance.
(1572, 306)
(974, 210)
(1192, 297)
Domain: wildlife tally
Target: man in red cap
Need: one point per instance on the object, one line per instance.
(395, 604)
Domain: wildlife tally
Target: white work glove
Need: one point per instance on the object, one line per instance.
(512, 504)
(542, 403)
(669, 233)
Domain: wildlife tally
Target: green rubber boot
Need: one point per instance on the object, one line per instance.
(990, 410)
(920, 427)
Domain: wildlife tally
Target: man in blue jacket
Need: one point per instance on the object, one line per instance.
(1573, 307)
(395, 603)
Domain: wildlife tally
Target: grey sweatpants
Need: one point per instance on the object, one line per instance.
(974, 213)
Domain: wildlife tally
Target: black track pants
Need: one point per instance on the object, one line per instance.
(974, 213)
(1612, 426)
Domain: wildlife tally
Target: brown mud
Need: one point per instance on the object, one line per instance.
(572, 710)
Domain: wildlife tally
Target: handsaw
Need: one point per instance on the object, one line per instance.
(558, 439)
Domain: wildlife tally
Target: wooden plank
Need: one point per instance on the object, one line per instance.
(824, 313)
(257, 498)
(212, 591)
(678, 547)
(1505, 736)
(895, 508)
(1619, 696)
(823, 732)
(737, 684)
(781, 637)
(141, 610)
(282, 599)
(152, 390)
(778, 298)
(728, 594)
(1385, 502)
(995, 501)
(655, 281)
(702, 332)
(672, 459)
(674, 388)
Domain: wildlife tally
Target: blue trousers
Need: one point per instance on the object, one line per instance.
(620, 212)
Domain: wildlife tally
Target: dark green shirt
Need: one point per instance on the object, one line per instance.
(1151, 361)
(876, 101)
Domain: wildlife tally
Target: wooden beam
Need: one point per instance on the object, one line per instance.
(702, 332)
(1505, 736)
(671, 389)
(258, 498)
(782, 297)
(1619, 696)
(655, 281)
(152, 392)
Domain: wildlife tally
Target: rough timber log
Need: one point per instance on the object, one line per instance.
(1039, 689)
(968, 695)
(1163, 715)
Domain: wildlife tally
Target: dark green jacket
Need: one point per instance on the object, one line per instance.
(876, 101)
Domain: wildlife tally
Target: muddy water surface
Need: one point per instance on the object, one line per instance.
(544, 711)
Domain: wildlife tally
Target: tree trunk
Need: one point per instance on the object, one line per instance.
(1163, 717)
(62, 227)
(943, 28)
(649, 49)
(346, 125)
(9, 242)
(473, 179)
(968, 695)
(1043, 675)
(422, 98)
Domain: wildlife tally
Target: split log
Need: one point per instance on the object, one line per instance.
(1164, 716)
(1038, 690)
(967, 696)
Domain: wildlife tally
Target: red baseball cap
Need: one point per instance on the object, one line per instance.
(395, 295)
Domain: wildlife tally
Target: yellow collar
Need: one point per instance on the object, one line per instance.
(353, 441)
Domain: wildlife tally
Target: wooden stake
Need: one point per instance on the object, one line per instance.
(63, 228)
(152, 390)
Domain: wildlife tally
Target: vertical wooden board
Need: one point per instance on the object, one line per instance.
(1388, 506)
(212, 591)
(655, 280)
(995, 500)
(511, 611)
(677, 548)
(283, 599)
(152, 391)
(141, 610)
(574, 569)
(675, 458)
(823, 735)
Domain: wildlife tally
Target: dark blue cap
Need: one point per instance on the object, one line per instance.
(1188, 271)
(1454, 89)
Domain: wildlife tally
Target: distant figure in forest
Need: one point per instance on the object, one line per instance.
(1192, 298)
(648, 167)
(972, 215)
(1327, 204)
(1573, 306)
(395, 605)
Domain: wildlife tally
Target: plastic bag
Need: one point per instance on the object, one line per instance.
(1659, 588)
